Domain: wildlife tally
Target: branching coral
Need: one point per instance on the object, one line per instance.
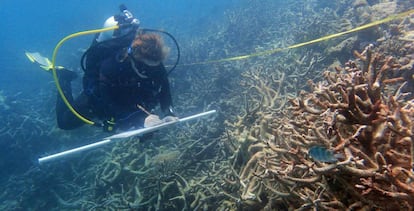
(359, 112)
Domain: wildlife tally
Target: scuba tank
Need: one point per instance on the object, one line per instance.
(106, 44)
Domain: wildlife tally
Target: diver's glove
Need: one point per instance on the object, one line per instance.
(109, 125)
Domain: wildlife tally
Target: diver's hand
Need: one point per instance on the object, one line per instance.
(170, 119)
(152, 120)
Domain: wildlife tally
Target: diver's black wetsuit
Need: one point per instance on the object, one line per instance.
(119, 90)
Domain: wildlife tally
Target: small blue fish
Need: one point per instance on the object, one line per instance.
(322, 154)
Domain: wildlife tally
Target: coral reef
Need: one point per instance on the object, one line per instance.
(363, 112)
(358, 111)
(255, 154)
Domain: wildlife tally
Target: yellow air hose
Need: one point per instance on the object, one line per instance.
(55, 78)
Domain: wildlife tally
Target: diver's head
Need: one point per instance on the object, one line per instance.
(148, 48)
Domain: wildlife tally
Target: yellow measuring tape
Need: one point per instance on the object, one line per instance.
(272, 51)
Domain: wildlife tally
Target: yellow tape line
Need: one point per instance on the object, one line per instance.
(366, 26)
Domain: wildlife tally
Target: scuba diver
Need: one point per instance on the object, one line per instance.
(124, 79)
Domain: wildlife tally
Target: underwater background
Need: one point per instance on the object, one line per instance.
(38, 26)
(324, 126)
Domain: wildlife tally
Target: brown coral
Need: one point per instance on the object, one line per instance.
(358, 111)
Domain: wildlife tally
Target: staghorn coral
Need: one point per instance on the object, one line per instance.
(358, 111)
(268, 93)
